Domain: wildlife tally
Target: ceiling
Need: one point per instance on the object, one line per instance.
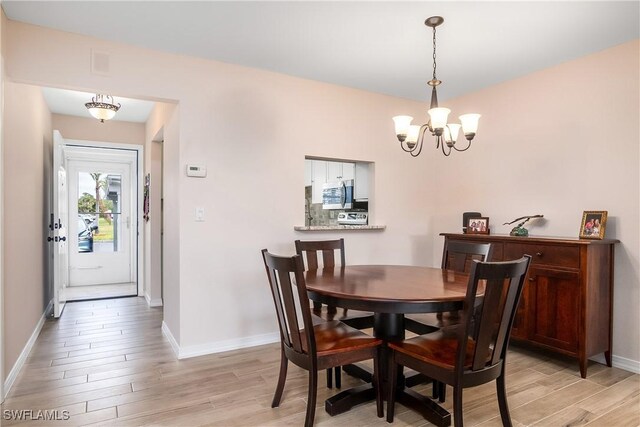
(71, 102)
(377, 46)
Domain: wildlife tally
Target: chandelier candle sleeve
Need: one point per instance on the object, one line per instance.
(411, 137)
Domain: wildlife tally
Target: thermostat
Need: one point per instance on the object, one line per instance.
(196, 171)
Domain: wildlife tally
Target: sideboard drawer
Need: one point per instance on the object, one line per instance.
(561, 256)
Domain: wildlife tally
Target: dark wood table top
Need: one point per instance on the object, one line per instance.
(388, 288)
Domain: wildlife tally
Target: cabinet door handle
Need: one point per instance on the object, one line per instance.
(539, 253)
(532, 279)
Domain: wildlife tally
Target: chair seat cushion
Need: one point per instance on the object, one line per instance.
(336, 337)
(437, 348)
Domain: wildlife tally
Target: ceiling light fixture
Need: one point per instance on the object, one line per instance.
(411, 136)
(101, 108)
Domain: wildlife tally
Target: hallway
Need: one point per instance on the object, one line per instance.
(106, 362)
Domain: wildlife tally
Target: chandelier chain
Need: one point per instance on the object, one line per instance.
(434, 53)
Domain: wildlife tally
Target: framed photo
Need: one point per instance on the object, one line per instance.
(478, 225)
(593, 224)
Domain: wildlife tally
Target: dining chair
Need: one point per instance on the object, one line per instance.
(468, 355)
(321, 254)
(312, 346)
(456, 256)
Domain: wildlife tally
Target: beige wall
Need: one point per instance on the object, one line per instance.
(253, 128)
(89, 129)
(159, 118)
(558, 142)
(27, 138)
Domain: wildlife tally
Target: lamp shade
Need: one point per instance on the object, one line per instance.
(402, 124)
(102, 113)
(451, 132)
(412, 134)
(439, 117)
(469, 123)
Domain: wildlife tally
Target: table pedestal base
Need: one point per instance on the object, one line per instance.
(429, 409)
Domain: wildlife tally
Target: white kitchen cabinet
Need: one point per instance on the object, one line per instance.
(339, 171)
(348, 171)
(334, 171)
(319, 177)
(361, 183)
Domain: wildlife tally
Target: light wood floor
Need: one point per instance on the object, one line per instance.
(107, 363)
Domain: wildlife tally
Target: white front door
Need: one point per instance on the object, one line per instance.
(102, 216)
(59, 224)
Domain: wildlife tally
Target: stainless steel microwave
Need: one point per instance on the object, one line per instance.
(337, 195)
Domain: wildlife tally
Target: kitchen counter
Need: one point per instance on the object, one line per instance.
(337, 227)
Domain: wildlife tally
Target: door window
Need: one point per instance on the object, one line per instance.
(99, 212)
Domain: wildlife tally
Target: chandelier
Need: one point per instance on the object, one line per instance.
(411, 136)
(101, 108)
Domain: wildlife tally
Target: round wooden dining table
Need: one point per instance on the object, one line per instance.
(390, 292)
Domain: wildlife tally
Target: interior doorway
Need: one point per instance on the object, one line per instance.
(101, 206)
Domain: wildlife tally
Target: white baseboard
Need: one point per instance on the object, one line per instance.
(619, 362)
(13, 374)
(174, 344)
(217, 347)
(153, 302)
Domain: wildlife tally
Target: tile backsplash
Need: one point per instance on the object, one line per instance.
(315, 215)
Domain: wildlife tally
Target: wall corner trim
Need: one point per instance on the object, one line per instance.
(174, 344)
(620, 362)
(153, 302)
(187, 352)
(17, 367)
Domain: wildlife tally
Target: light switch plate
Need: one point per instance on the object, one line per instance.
(199, 214)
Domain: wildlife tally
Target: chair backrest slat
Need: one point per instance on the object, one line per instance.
(310, 249)
(458, 256)
(490, 324)
(289, 291)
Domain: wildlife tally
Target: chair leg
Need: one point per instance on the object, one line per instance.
(338, 375)
(442, 392)
(457, 406)
(311, 401)
(329, 378)
(436, 388)
(377, 383)
(281, 379)
(391, 396)
(502, 401)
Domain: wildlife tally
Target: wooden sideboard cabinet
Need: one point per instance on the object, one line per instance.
(567, 302)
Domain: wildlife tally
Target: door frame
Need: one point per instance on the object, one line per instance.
(139, 186)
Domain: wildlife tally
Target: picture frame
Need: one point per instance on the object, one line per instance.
(593, 225)
(479, 225)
